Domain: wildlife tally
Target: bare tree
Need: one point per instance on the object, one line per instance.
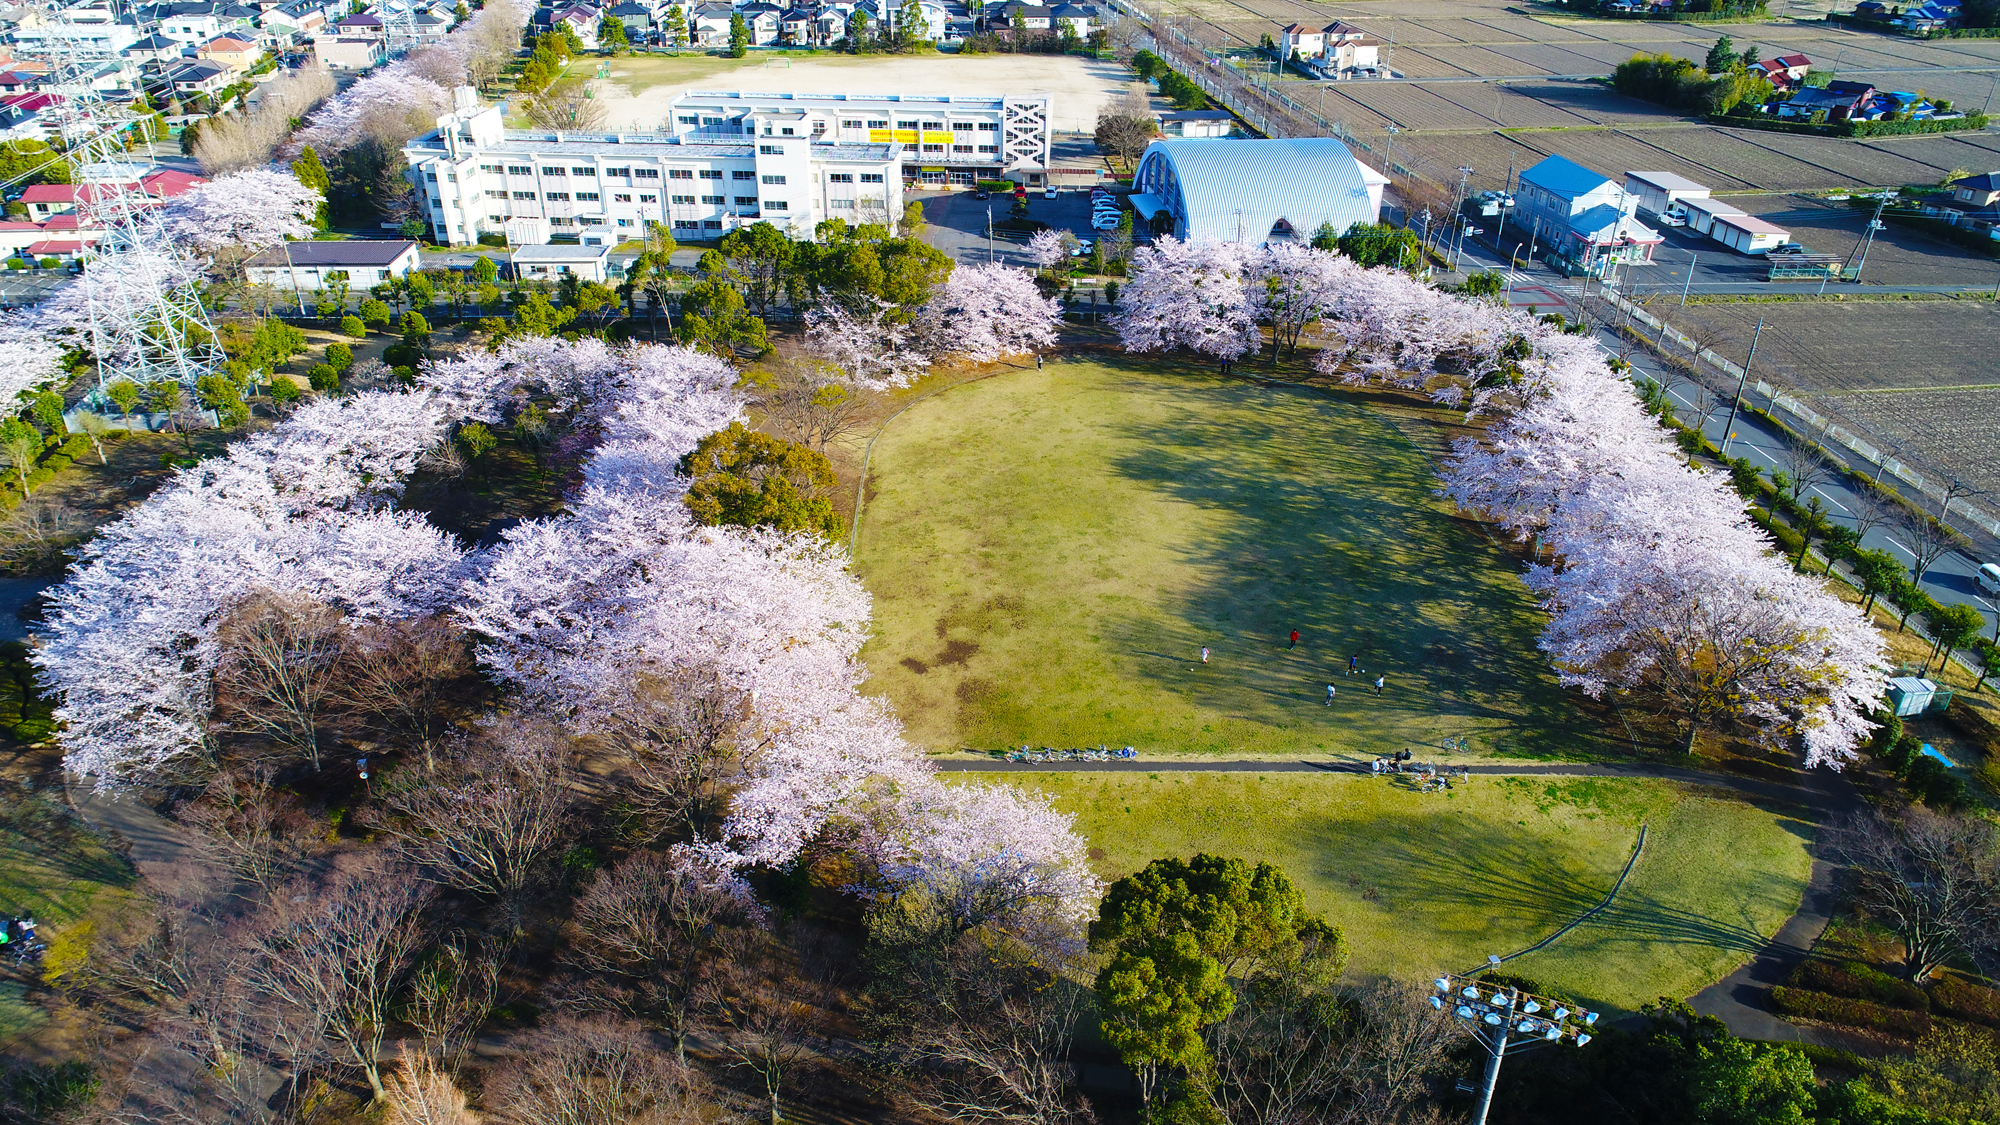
(336, 958)
(1805, 466)
(450, 997)
(652, 937)
(811, 404)
(277, 669)
(679, 736)
(1124, 130)
(771, 1023)
(422, 1093)
(593, 1072)
(485, 817)
(1925, 538)
(1930, 877)
(248, 826)
(403, 676)
(235, 141)
(567, 105)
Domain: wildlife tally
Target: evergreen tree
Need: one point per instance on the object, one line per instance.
(1722, 57)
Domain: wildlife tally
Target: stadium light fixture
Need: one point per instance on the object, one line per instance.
(1495, 1015)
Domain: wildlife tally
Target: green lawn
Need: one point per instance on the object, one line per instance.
(54, 868)
(1424, 881)
(1049, 551)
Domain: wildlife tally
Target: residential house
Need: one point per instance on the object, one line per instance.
(301, 266)
(762, 20)
(1982, 190)
(1871, 10)
(22, 116)
(1016, 13)
(1840, 101)
(1301, 41)
(1584, 219)
(198, 77)
(635, 16)
(17, 82)
(349, 53)
(582, 21)
(1933, 16)
(47, 203)
(238, 55)
(710, 25)
(197, 21)
(363, 25)
(1081, 19)
(296, 20)
(1785, 71)
(155, 49)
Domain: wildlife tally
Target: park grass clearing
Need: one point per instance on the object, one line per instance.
(1049, 550)
(53, 867)
(1423, 882)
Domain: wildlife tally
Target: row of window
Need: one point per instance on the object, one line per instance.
(679, 174)
(678, 200)
(990, 150)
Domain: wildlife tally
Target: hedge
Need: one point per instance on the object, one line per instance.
(1860, 982)
(1959, 999)
(1849, 1012)
(1853, 128)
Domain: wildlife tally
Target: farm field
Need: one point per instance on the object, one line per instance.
(1050, 551)
(1854, 356)
(1428, 882)
(1900, 255)
(637, 93)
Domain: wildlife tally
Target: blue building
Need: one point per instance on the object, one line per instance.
(1254, 191)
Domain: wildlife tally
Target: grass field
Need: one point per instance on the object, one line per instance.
(1424, 882)
(1050, 550)
(55, 869)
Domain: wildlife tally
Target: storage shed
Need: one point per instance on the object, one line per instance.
(1702, 213)
(1659, 191)
(1749, 234)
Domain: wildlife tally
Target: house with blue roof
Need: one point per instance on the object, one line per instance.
(1585, 221)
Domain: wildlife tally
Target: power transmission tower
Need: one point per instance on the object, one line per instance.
(400, 30)
(146, 320)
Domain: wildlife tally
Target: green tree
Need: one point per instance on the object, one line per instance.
(1722, 57)
(22, 444)
(611, 34)
(857, 32)
(1379, 244)
(912, 30)
(351, 327)
(123, 394)
(375, 313)
(323, 378)
(310, 172)
(749, 479)
(1748, 58)
(340, 356)
(1147, 64)
(739, 36)
(1952, 627)
(713, 316)
(676, 27)
(485, 270)
(221, 394)
(476, 439)
(47, 409)
(761, 256)
(1177, 931)
(1878, 572)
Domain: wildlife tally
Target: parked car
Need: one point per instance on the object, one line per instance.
(1989, 578)
(982, 193)
(1673, 218)
(1790, 248)
(1049, 194)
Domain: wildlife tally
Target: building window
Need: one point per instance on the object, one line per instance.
(490, 168)
(557, 197)
(841, 204)
(933, 148)
(562, 222)
(624, 222)
(850, 124)
(774, 205)
(583, 171)
(711, 122)
(933, 125)
(878, 124)
(742, 175)
(746, 201)
(586, 197)
(618, 197)
(961, 148)
(687, 199)
(649, 199)
(688, 120)
(871, 177)
(618, 171)
(686, 224)
(774, 179)
(961, 126)
(906, 124)
(772, 150)
(989, 148)
(840, 177)
(989, 126)
(679, 174)
(592, 221)
(524, 195)
(714, 200)
(555, 171)
(711, 224)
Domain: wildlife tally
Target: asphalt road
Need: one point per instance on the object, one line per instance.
(1949, 580)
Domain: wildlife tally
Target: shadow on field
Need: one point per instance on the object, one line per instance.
(1333, 532)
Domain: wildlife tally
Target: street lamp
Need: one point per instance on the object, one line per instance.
(1501, 1017)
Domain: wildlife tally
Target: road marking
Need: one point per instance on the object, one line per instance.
(1892, 542)
(1830, 499)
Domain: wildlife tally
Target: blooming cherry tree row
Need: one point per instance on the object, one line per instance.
(247, 210)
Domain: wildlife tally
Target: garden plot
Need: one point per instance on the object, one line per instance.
(1838, 348)
(1950, 428)
(1853, 162)
(1596, 104)
(1477, 60)
(1415, 107)
(1341, 107)
(1530, 58)
(1507, 105)
(1722, 151)
(1615, 152)
(1423, 62)
(1490, 155)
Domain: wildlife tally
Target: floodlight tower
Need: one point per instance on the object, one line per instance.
(147, 323)
(1500, 1017)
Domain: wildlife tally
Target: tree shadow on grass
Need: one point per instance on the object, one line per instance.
(1330, 527)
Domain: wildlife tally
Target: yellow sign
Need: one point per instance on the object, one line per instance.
(937, 138)
(881, 136)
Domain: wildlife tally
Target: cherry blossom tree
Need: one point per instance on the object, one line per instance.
(1294, 287)
(985, 312)
(34, 360)
(1189, 295)
(1045, 248)
(247, 211)
(391, 105)
(870, 350)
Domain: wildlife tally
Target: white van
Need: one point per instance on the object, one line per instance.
(1989, 578)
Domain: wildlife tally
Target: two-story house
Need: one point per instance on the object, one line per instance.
(1586, 221)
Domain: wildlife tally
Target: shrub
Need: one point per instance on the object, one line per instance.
(405, 375)
(477, 439)
(1861, 982)
(339, 356)
(1902, 753)
(283, 390)
(18, 264)
(1933, 783)
(326, 310)
(51, 263)
(1849, 1012)
(375, 313)
(323, 377)
(1963, 1000)
(350, 325)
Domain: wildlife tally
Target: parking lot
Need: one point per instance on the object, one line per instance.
(959, 222)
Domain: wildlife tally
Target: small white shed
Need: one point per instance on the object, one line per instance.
(552, 261)
(1749, 234)
(1658, 191)
(1702, 213)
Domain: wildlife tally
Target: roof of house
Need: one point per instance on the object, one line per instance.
(1563, 177)
(30, 103)
(56, 246)
(228, 43)
(1605, 224)
(18, 78)
(375, 252)
(1789, 61)
(156, 43)
(200, 71)
(1194, 115)
(1342, 27)
(1666, 181)
(1985, 181)
(560, 252)
(49, 193)
(1297, 29)
(1752, 224)
(629, 8)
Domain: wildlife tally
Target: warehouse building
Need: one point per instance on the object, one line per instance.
(1254, 191)
(947, 139)
(598, 189)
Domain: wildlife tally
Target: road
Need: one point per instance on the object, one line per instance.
(1949, 580)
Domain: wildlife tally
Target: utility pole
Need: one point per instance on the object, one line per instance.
(1868, 236)
(1689, 279)
(1729, 431)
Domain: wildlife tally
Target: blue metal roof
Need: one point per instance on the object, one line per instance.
(1564, 178)
(1231, 190)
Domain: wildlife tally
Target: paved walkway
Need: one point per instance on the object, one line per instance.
(1741, 999)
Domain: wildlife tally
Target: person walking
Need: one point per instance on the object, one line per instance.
(1204, 654)
(1295, 638)
(1329, 695)
(1378, 684)
(1353, 663)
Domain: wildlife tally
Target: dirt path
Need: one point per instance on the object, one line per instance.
(1741, 999)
